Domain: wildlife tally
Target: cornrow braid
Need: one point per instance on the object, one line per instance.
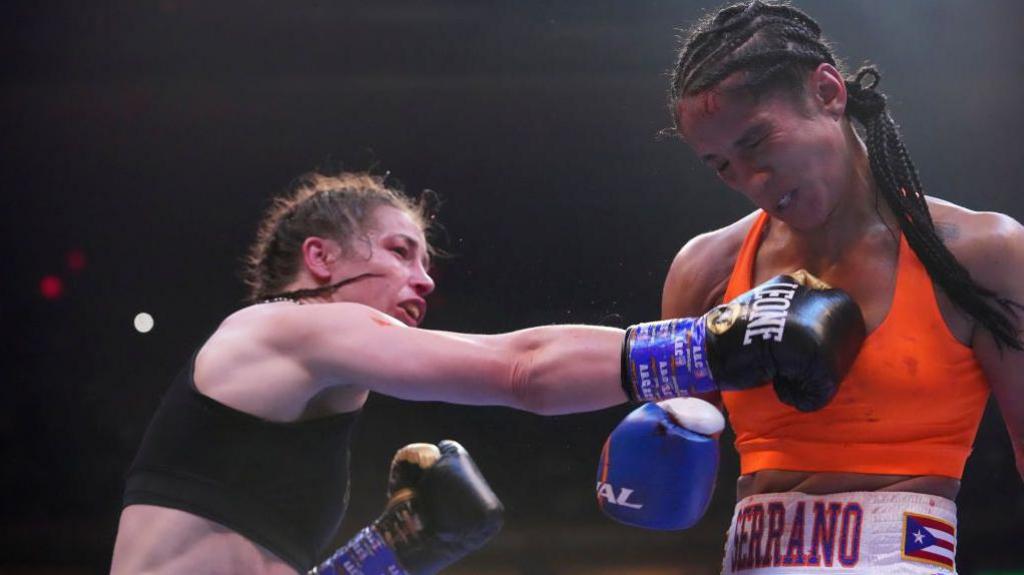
(775, 46)
(768, 33)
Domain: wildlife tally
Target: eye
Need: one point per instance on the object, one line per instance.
(401, 251)
(722, 167)
(755, 143)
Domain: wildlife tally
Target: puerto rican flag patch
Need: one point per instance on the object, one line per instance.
(929, 540)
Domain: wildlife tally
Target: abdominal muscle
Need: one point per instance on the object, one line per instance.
(159, 540)
(818, 483)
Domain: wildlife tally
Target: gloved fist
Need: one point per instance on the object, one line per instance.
(793, 330)
(440, 508)
(659, 464)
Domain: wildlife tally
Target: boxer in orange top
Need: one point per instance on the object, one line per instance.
(867, 484)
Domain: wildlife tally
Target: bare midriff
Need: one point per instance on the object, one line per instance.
(159, 540)
(817, 483)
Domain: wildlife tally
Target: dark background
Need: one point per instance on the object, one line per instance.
(149, 136)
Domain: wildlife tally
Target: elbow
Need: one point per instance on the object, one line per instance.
(525, 390)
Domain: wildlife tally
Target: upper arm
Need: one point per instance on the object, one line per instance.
(351, 344)
(997, 266)
(700, 272)
(549, 369)
(676, 294)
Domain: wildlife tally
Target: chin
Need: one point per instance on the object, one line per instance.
(806, 216)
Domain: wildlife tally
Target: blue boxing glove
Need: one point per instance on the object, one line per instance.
(659, 464)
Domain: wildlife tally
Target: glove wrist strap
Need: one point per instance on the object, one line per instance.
(365, 554)
(665, 359)
(401, 526)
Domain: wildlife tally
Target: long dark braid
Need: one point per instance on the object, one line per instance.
(776, 46)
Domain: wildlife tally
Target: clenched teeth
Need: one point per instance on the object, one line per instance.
(412, 310)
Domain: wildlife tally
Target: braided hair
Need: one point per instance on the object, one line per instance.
(331, 206)
(775, 46)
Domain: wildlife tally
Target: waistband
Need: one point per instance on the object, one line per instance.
(855, 533)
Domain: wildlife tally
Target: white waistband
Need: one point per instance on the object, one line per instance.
(852, 533)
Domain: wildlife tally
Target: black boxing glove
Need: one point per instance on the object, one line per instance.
(440, 508)
(793, 330)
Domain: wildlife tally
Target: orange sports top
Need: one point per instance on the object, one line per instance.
(910, 404)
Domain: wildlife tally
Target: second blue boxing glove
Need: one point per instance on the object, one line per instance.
(658, 466)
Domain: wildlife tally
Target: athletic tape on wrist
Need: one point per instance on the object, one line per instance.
(365, 554)
(665, 359)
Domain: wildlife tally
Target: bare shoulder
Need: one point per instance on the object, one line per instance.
(700, 271)
(285, 325)
(247, 340)
(262, 359)
(257, 328)
(273, 333)
(989, 244)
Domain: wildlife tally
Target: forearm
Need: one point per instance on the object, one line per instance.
(565, 369)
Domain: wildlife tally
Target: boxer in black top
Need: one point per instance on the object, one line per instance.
(260, 416)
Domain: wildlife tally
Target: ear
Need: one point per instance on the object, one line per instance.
(828, 90)
(318, 255)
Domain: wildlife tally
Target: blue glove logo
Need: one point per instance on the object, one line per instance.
(607, 491)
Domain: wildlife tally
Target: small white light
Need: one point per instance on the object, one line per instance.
(143, 322)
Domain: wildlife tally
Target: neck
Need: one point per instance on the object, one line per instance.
(859, 213)
(306, 290)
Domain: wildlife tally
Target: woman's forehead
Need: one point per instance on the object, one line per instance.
(714, 119)
(713, 114)
(390, 220)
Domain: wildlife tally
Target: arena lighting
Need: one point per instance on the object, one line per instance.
(51, 287)
(144, 322)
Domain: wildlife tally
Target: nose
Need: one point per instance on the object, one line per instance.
(421, 281)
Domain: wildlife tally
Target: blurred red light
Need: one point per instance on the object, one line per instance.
(51, 287)
(76, 260)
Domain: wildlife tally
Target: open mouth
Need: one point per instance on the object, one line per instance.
(414, 310)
